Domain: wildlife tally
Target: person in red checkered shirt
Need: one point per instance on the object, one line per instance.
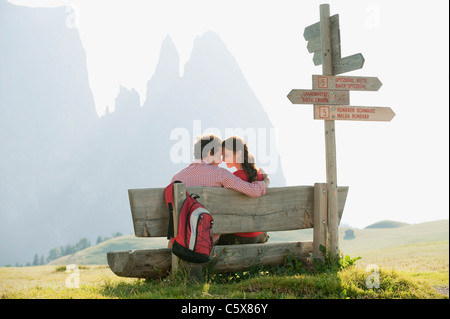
(205, 170)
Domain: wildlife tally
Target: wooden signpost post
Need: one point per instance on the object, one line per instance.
(330, 97)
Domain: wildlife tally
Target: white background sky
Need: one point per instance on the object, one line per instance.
(396, 170)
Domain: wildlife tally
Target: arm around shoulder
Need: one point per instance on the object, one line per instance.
(254, 189)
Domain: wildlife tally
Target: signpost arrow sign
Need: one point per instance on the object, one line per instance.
(313, 31)
(340, 65)
(319, 97)
(352, 83)
(353, 113)
(347, 64)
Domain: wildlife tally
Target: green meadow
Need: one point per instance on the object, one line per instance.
(411, 260)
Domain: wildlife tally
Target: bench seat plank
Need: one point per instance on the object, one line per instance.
(281, 208)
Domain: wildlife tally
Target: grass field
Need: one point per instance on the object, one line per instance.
(411, 266)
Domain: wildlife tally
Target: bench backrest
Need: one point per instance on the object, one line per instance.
(281, 208)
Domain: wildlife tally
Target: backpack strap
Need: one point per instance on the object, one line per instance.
(168, 193)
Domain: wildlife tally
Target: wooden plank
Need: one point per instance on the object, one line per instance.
(341, 65)
(313, 30)
(320, 233)
(232, 258)
(347, 64)
(149, 212)
(155, 263)
(315, 44)
(352, 83)
(142, 263)
(317, 57)
(281, 208)
(353, 113)
(297, 96)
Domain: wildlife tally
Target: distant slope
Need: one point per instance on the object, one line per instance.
(387, 224)
(365, 240)
(382, 238)
(96, 255)
(419, 247)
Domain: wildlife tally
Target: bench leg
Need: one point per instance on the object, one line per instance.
(194, 271)
(320, 218)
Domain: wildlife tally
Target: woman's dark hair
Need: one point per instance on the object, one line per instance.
(235, 144)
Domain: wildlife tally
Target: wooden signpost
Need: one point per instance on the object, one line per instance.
(330, 97)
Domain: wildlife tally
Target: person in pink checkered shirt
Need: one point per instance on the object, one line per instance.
(205, 170)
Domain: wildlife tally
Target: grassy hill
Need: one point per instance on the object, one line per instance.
(96, 255)
(375, 238)
(378, 238)
(411, 245)
(387, 224)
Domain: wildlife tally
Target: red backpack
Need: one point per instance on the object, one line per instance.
(193, 242)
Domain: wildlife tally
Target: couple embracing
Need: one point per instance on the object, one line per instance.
(209, 152)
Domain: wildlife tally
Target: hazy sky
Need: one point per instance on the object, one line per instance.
(396, 170)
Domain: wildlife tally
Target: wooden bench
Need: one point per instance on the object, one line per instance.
(280, 209)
